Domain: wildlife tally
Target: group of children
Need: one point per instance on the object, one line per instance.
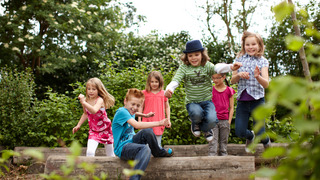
(210, 108)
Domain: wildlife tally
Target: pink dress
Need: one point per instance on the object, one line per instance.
(155, 103)
(100, 127)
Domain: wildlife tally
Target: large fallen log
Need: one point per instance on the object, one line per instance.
(233, 149)
(203, 167)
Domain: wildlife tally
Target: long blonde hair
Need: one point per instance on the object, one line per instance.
(243, 41)
(108, 99)
(157, 75)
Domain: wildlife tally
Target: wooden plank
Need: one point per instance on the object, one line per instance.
(228, 167)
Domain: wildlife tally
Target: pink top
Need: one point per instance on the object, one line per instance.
(155, 103)
(100, 126)
(221, 102)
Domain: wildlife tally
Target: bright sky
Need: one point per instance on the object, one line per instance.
(169, 16)
(173, 16)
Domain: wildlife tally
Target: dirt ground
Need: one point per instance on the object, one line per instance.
(19, 173)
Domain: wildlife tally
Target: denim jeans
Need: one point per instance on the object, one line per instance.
(243, 112)
(204, 114)
(144, 144)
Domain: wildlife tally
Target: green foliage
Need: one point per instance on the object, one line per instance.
(301, 97)
(16, 101)
(54, 119)
(61, 38)
(6, 154)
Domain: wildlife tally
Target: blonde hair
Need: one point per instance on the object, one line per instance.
(108, 99)
(157, 75)
(204, 55)
(133, 92)
(259, 40)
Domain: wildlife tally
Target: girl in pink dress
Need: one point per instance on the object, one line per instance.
(156, 102)
(94, 105)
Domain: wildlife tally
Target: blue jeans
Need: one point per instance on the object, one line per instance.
(243, 113)
(204, 114)
(144, 144)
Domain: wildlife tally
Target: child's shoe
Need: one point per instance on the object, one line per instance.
(208, 135)
(169, 152)
(195, 129)
(267, 145)
(248, 142)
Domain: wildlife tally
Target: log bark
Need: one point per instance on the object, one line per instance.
(202, 168)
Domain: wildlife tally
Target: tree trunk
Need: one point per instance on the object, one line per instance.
(302, 53)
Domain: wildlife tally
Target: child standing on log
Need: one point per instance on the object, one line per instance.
(222, 98)
(156, 102)
(94, 105)
(140, 146)
(196, 72)
(252, 79)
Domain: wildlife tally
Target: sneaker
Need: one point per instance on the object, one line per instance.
(169, 152)
(267, 145)
(209, 135)
(195, 130)
(248, 142)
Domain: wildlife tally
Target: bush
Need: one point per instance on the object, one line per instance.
(54, 119)
(16, 101)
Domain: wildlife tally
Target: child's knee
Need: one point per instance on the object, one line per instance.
(148, 131)
(146, 150)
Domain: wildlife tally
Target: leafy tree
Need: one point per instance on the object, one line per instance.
(151, 51)
(224, 10)
(282, 60)
(60, 40)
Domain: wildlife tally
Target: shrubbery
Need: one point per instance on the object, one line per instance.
(25, 121)
(16, 102)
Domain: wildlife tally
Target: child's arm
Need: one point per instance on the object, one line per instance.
(236, 76)
(167, 110)
(170, 89)
(139, 114)
(83, 118)
(145, 125)
(92, 109)
(262, 76)
(224, 68)
(231, 108)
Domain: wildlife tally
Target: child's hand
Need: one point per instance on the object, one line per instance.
(244, 75)
(236, 66)
(81, 97)
(168, 94)
(168, 125)
(75, 129)
(256, 72)
(150, 114)
(166, 122)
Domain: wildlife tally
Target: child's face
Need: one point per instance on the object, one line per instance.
(133, 104)
(217, 79)
(92, 91)
(195, 58)
(251, 46)
(154, 83)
